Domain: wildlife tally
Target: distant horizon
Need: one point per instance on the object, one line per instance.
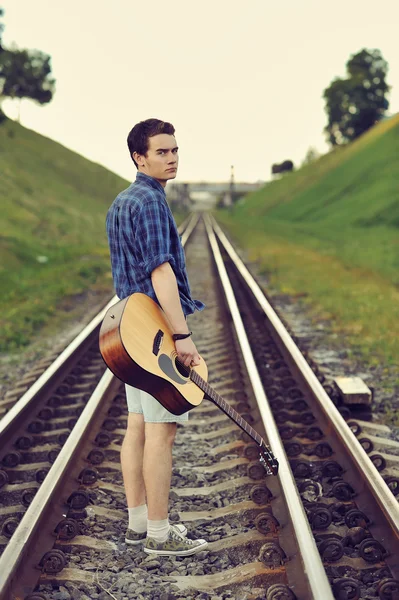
(170, 182)
(194, 181)
(244, 87)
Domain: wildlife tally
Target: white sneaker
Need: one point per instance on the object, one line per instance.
(175, 545)
(134, 539)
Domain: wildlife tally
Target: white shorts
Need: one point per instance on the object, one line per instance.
(142, 403)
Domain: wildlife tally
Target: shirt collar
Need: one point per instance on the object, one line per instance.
(148, 180)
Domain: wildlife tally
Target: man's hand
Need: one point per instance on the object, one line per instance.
(165, 286)
(187, 352)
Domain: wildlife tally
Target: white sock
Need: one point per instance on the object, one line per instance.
(158, 530)
(138, 518)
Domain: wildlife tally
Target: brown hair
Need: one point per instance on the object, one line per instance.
(137, 140)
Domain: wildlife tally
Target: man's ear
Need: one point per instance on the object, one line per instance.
(138, 158)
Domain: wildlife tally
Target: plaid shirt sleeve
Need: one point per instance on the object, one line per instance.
(152, 236)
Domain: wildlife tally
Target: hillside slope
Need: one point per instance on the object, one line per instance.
(328, 234)
(351, 185)
(345, 204)
(53, 241)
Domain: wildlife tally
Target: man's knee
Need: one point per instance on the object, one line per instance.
(135, 426)
(163, 433)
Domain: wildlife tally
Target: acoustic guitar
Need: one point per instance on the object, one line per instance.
(137, 346)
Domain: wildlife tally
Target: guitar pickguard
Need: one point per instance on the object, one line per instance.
(166, 365)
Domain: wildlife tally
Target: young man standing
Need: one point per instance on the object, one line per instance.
(147, 256)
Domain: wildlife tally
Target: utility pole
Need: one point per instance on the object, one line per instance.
(228, 199)
(232, 184)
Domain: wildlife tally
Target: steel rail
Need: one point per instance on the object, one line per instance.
(313, 567)
(184, 224)
(29, 525)
(361, 462)
(14, 552)
(49, 374)
(191, 225)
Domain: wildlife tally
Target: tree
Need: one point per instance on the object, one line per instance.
(1, 28)
(286, 165)
(26, 74)
(355, 104)
(311, 155)
(2, 115)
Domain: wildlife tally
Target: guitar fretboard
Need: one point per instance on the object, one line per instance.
(225, 406)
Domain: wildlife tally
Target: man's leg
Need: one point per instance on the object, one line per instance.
(160, 430)
(157, 467)
(132, 460)
(132, 468)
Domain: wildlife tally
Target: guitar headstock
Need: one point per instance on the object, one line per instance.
(268, 460)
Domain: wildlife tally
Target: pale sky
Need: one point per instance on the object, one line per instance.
(242, 82)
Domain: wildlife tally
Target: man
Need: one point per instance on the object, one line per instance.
(147, 256)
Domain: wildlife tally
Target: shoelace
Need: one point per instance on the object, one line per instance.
(174, 534)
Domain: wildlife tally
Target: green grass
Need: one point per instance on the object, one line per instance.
(54, 203)
(329, 234)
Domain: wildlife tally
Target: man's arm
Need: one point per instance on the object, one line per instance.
(153, 237)
(165, 287)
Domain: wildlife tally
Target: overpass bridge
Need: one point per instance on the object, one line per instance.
(200, 195)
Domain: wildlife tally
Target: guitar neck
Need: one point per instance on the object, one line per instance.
(225, 407)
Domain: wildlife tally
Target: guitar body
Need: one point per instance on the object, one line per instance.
(137, 345)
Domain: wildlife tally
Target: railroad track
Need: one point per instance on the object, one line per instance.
(326, 527)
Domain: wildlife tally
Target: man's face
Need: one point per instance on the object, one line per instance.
(161, 160)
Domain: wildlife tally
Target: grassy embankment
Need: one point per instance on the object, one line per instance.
(54, 203)
(329, 235)
(53, 208)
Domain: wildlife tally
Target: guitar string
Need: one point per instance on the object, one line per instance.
(205, 387)
(226, 407)
(234, 414)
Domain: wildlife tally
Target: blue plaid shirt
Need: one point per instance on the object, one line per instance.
(142, 234)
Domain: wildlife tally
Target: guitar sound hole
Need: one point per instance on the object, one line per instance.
(181, 369)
